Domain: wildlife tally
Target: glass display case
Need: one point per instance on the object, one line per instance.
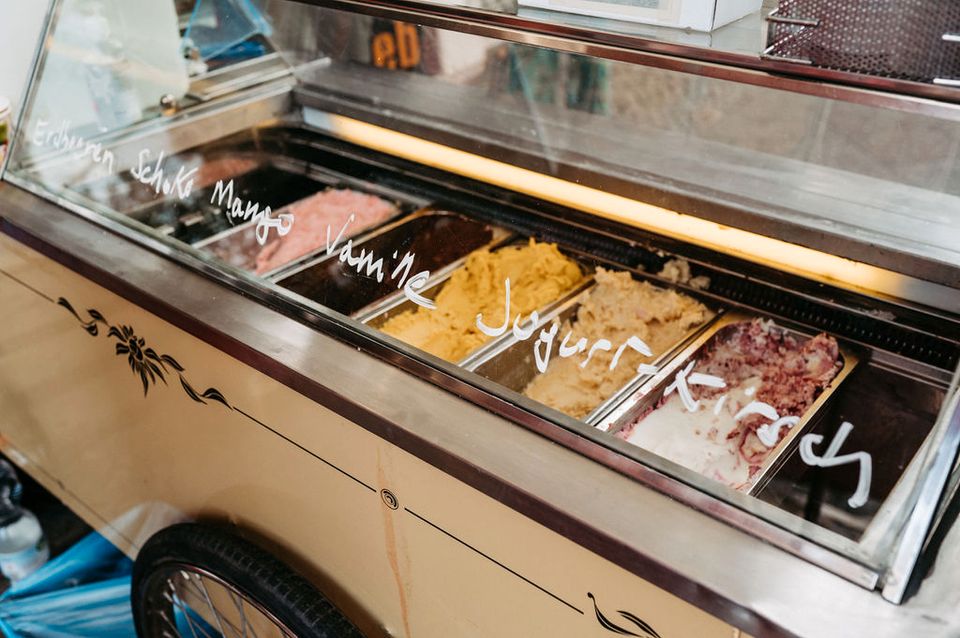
(733, 281)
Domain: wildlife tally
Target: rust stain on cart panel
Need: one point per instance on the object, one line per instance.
(393, 555)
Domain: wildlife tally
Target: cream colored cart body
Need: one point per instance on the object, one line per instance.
(421, 498)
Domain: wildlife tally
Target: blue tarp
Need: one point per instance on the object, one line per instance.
(217, 27)
(83, 593)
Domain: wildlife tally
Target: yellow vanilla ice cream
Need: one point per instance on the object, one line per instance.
(539, 274)
(617, 308)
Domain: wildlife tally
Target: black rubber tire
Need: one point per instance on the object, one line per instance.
(251, 570)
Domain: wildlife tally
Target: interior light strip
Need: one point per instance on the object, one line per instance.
(832, 269)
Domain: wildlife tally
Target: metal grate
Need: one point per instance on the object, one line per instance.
(878, 333)
(906, 39)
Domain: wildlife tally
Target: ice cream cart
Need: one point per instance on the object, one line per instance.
(411, 319)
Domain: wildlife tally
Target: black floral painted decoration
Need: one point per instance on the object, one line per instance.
(144, 361)
(609, 625)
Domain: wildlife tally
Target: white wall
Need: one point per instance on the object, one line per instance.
(20, 25)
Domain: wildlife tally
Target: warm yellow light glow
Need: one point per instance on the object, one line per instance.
(792, 258)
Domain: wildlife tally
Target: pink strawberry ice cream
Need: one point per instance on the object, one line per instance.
(312, 216)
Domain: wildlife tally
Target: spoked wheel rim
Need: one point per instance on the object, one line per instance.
(187, 601)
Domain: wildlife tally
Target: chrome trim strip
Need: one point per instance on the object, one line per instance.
(935, 472)
(766, 55)
(234, 77)
(774, 16)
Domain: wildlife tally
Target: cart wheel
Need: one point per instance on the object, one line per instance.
(197, 581)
